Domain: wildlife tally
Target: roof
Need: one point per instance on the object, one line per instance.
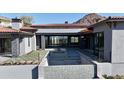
(7, 30)
(28, 29)
(59, 26)
(114, 18)
(86, 30)
(10, 30)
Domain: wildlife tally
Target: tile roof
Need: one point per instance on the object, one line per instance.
(10, 30)
(60, 26)
(29, 29)
(86, 30)
(110, 18)
(7, 30)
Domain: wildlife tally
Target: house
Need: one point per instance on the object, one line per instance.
(58, 35)
(103, 38)
(17, 40)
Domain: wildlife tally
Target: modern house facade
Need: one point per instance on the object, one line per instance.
(58, 35)
(103, 39)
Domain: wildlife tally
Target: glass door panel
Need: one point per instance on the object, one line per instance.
(58, 40)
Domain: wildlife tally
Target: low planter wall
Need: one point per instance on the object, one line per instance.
(19, 72)
(103, 68)
(117, 69)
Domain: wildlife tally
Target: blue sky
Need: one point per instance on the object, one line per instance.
(49, 18)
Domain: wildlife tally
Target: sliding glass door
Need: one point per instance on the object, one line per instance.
(58, 40)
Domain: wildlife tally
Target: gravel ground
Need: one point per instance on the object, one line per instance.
(2, 59)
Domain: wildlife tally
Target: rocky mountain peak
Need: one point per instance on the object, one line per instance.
(90, 19)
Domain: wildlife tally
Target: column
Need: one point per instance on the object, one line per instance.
(15, 45)
(42, 42)
(33, 44)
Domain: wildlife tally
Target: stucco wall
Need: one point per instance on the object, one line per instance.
(118, 43)
(27, 48)
(117, 46)
(16, 25)
(117, 69)
(103, 68)
(22, 45)
(107, 38)
(5, 24)
(24, 48)
(67, 72)
(15, 46)
(33, 42)
(19, 72)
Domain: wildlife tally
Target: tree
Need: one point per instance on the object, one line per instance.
(27, 20)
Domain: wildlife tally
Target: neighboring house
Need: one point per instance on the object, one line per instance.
(15, 41)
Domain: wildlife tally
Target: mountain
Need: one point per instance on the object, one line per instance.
(90, 19)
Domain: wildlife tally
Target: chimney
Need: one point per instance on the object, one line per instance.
(17, 23)
(66, 22)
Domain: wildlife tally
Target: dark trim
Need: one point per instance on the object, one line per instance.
(59, 34)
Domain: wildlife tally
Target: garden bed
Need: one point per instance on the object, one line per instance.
(33, 57)
(114, 77)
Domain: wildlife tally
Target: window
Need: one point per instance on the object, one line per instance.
(58, 40)
(99, 44)
(29, 41)
(74, 39)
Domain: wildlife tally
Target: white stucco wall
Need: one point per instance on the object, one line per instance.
(16, 25)
(24, 48)
(118, 43)
(33, 42)
(27, 48)
(107, 38)
(5, 24)
(18, 72)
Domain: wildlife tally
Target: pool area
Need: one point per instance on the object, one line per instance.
(63, 56)
(66, 63)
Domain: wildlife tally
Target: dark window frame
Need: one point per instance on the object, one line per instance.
(74, 39)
